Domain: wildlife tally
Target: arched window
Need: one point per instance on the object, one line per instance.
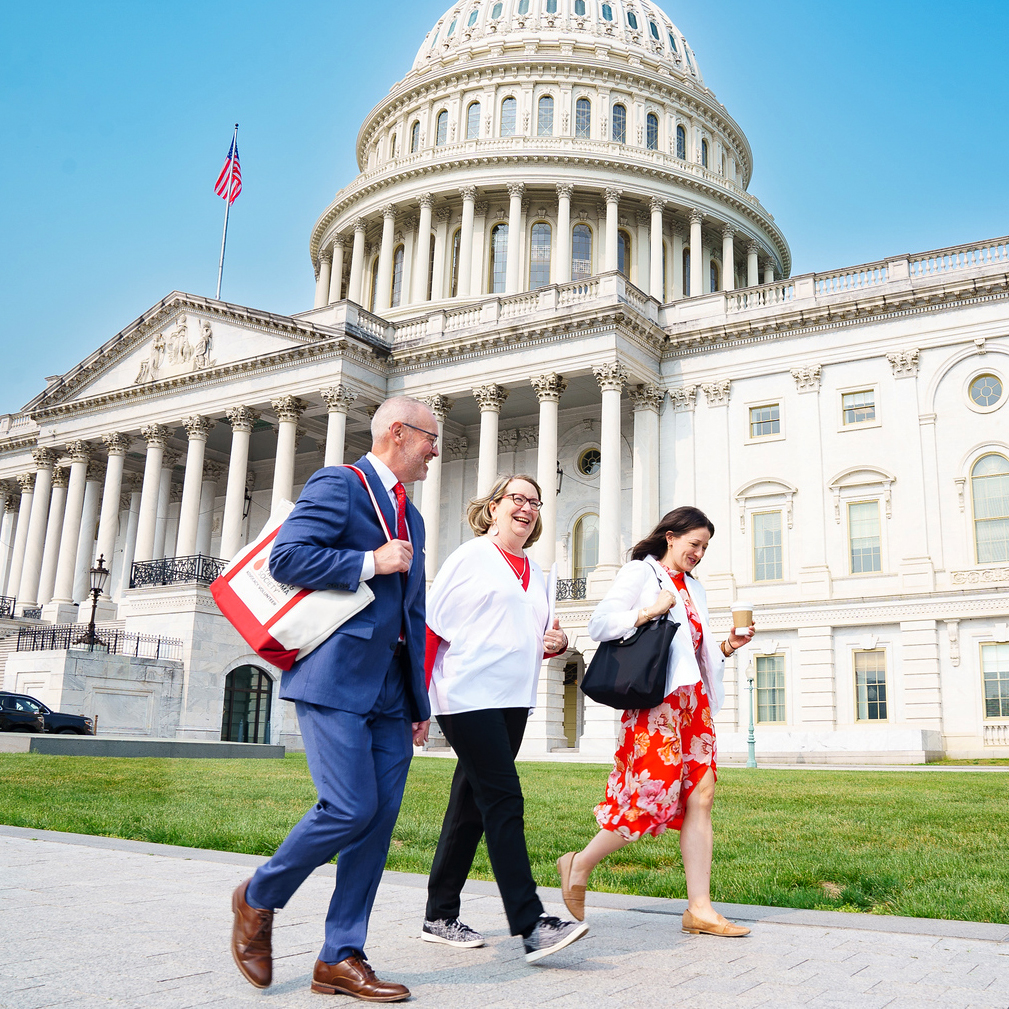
(632, 20)
(374, 285)
(392, 146)
(713, 276)
(624, 253)
(456, 244)
(607, 12)
(551, 6)
(586, 545)
(248, 697)
(523, 6)
(539, 256)
(473, 121)
(430, 268)
(581, 252)
(509, 110)
(583, 118)
(672, 44)
(686, 273)
(451, 28)
(545, 117)
(579, 7)
(652, 132)
(434, 41)
(415, 137)
(620, 124)
(397, 277)
(989, 484)
(472, 18)
(441, 131)
(704, 153)
(690, 62)
(496, 10)
(654, 29)
(498, 259)
(681, 143)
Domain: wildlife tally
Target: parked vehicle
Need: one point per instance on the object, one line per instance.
(19, 714)
(52, 721)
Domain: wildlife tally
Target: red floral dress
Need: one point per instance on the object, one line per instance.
(663, 752)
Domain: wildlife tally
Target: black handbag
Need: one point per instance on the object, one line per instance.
(631, 672)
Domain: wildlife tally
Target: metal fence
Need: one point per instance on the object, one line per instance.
(176, 571)
(32, 613)
(61, 637)
(7, 607)
(571, 588)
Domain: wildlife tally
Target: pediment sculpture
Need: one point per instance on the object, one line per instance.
(174, 354)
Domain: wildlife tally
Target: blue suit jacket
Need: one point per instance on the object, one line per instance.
(321, 545)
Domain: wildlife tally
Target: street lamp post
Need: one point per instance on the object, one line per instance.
(751, 742)
(99, 576)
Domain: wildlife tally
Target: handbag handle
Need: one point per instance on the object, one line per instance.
(378, 511)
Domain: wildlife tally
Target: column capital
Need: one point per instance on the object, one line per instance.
(516, 189)
(242, 418)
(389, 212)
(611, 376)
(438, 404)
(683, 398)
(549, 387)
(807, 379)
(696, 216)
(198, 427)
(326, 255)
(646, 396)
(45, 458)
(565, 190)
(289, 408)
(339, 398)
(717, 393)
(212, 471)
(468, 192)
(752, 249)
(903, 362)
(490, 397)
(612, 195)
(79, 450)
(171, 458)
(339, 242)
(115, 442)
(657, 204)
(135, 482)
(60, 476)
(480, 208)
(360, 225)
(443, 214)
(728, 232)
(426, 200)
(96, 471)
(12, 503)
(26, 481)
(155, 434)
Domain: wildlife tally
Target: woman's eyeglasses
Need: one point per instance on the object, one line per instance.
(520, 501)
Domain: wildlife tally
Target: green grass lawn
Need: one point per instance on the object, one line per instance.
(919, 844)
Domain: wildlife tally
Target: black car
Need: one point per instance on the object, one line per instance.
(14, 705)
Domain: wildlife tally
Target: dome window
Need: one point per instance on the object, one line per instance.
(539, 256)
(523, 6)
(632, 20)
(704, 153)
(607, 12)
(580, 7)
(496, 10)
(690, 62)
(624, 253)
(620, 124)
(434, 41)
(397, 277)
(673, 45)
(451, 28)
(583, 118)
(581, 252)
(415, 137)
(473, 121)
(456, 246)
(392, 146)
(653, 132)
(441, 129)
(681, 143)
(545, 117)
(499, 258)
(654, 29)
(509, 110)
(551, 6)
(472, 18)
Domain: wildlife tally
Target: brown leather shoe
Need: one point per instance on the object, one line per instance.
(696, 926)
(574, 896)
(354, 976)
(251, 939)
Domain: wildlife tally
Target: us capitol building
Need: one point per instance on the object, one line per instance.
(551, 241)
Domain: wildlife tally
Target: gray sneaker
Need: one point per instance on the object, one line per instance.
(552, 934)
(452, 932)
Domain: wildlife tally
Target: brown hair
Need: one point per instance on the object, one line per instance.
(478, 512)
(678, 522)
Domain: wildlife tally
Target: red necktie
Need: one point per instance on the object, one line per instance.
(400, 491)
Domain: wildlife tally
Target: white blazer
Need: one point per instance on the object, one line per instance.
(637, 585)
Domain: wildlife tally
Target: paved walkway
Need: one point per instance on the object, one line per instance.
(90, 921)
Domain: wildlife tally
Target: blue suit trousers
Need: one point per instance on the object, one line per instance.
(359, 765)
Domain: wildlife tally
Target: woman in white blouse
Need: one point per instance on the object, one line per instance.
(664, 767)
(487, 615)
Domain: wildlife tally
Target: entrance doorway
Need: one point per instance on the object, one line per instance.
(248, 696)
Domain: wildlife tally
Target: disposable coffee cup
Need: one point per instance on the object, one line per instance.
(742, 616)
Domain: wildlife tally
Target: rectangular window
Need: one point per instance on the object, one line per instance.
(863, 537)
(859, 407)
(583, 118)
(765, 420)
(870, 686)
(767, 562)
(770, 688)
(995, 668)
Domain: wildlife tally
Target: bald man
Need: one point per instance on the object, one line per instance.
(360, 697)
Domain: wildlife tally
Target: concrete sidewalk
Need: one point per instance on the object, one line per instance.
(90, 921)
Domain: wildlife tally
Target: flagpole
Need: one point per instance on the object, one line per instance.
(227, 209)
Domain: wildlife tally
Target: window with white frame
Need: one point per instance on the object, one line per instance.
(545, 117)
(858, 407)
(995, 670)
(539, 256)
(770, 670)
(397, 276)
(583, 118)
(586, 545)
(768, 562)
(441, 129)
(509, 113)
(765, 420)
(989, 487)
(864, 542)
(473, 121)
(870, 685)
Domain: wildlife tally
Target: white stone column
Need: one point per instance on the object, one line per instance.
(86, 540)
(10, 509)
(561, 265)
(678, 285)
(465, 267)
(289, 410)
(198, 429)
(422, 252)
(168, 463)
(656, 285)
(647, 400)
(478, 284)
(728, 259)
(430, 499)
(134, 483)
(336, 276)
(208, 497)
(611, 378)
(63, 588)
(31, 571)
(752, 265)
(383, 296)
(490, 398)
(339, 399)
(549, 388)
(611, 261)
(242, 419)
(769, 271)
(357, 262)
(155, 435)
(54, 529)
(108, 524)
(26, 481)
(696, 254)
(513, 276)
(322, 282)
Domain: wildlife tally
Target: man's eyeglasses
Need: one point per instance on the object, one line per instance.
(520, 501)
(431, 436)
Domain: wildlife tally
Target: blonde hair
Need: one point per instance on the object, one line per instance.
(479, 515)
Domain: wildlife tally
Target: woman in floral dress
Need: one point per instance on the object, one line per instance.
(664, 768)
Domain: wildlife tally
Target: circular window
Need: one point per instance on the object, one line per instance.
(588, 462)
(986, 390)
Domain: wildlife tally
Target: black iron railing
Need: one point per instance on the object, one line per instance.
(570, 588)
(32, 613)
(61, 637)
(176, 571)
(7, 607)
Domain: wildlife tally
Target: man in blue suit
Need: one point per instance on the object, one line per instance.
(360, 698)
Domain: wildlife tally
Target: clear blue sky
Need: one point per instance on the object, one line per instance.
(877, 128)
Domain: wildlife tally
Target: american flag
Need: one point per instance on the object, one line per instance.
(221, 188)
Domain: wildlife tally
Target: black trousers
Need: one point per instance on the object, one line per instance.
(486, 798)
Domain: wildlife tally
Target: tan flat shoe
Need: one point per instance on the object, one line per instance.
(696, 926)
(574, 896)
